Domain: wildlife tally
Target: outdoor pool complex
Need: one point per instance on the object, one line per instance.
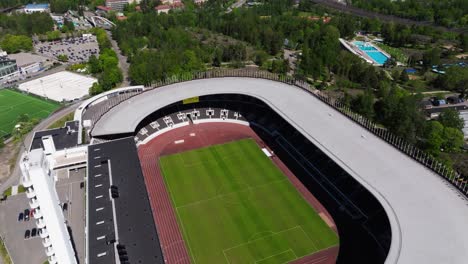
(371, 51)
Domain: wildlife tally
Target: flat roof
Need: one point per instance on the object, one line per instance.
(60, 86)
(427, 216)
(64, 137)
(25, 59)
(117, 162)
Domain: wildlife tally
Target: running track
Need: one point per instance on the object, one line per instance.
(196, 136)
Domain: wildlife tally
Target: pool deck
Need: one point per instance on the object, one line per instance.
(358, 52)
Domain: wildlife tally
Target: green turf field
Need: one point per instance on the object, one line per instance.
(13, 104)
(235, 206)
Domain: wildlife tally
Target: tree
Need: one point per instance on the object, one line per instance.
(94, 65)
(451, 118)
(364, 104)
(431, 57)
(455, 79)
(95, 89)
(62, 57)
(434, 137)
(16, 43)
(404, 76)
(453, 139)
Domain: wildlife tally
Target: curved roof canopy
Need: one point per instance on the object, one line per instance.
(428, 218)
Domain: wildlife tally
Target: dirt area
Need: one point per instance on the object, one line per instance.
(7, 158)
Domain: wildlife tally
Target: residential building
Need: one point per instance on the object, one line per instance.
(119, 5)
(51, 150)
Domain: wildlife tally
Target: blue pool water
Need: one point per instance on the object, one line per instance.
(371, 51)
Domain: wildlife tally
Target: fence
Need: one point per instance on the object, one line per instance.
(456, 179)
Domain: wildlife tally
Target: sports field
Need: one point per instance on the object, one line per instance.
(13, 104)
(235, 206)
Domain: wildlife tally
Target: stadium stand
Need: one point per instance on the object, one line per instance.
(358, 215)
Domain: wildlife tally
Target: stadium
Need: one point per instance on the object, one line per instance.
(250, 167)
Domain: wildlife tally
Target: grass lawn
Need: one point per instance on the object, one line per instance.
(235, 206)
(13, 104)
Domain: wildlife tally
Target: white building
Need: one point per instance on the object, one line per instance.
(39, 181)
(32, 8)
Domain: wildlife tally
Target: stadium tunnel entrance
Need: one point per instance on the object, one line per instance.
(363, 225)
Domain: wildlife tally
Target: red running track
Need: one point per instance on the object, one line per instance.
(196, 136)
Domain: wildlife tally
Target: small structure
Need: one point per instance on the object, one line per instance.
(32, 8)
(8, 68)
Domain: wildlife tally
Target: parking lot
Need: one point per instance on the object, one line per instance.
(22, 251)
(76, 49)
(71, 191)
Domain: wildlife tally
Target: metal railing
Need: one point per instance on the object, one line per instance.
(458, 180)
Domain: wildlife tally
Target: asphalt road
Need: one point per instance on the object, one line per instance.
(123, 64)
(16, 173)
(388, 18)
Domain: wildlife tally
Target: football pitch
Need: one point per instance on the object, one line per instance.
(235, 206)
(13, 104)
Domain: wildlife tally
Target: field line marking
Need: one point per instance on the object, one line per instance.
(313, 243)
(250, 188)
(289, 249)
(168, 187)
(274, 233)
(227, 259)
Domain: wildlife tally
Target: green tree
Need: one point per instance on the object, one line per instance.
(95, 89)
(434, 137)
(431, 57)
(455, 79)
(451, 118)
(404, 76)
(16, 43)
(364, 104)
(453, 139)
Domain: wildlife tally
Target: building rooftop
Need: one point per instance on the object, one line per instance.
(63, 138)
(37, 6)
(117, 163)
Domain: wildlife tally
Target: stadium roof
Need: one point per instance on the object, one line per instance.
(428, 217)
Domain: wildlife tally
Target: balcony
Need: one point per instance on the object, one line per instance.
(43, 233)
(46, 242)
(49, 251)
(26, 182)
(40, 223)
(37, 213)
(34, 203)
(30, 193)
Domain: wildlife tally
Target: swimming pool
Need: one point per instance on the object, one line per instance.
(371, 51)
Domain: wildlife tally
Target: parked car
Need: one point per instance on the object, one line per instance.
(65, 206)
(20, 217)
(33, 232)
(26, 214)
(27, 234)
(81, 185)
(31, 214)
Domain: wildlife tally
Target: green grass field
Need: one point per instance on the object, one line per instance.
(13, 104)
(235, 206)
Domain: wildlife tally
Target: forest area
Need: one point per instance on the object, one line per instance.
(161, 45)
